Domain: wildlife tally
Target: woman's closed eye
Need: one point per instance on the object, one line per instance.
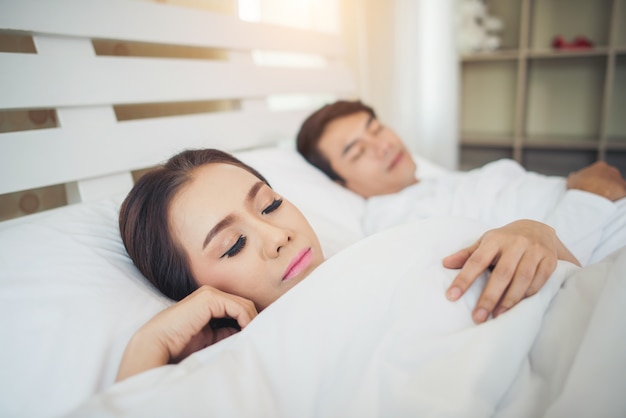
(236, 248)
(273, 206)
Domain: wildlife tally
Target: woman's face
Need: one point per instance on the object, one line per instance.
(240, 236)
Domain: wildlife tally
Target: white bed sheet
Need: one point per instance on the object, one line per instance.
(380, 339)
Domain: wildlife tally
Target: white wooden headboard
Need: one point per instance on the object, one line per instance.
(93, 152)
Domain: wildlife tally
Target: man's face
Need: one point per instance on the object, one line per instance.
(370, 157)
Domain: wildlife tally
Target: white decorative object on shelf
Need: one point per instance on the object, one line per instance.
(476, 29)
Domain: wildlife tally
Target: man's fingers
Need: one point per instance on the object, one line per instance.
(458, 259)
(499, 282)
(480, 258)
(524, 276)
(544, 271)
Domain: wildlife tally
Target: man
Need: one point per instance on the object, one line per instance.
(349, 144)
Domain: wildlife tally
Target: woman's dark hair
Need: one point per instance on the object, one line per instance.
(144, 220)
(313, 127)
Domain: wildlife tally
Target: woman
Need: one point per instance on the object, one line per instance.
(208, 230)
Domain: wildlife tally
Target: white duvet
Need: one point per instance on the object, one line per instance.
(503, 191)
(370, 334)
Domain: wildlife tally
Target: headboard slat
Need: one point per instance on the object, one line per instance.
(142, 21)
(61, 155)
(34, 81)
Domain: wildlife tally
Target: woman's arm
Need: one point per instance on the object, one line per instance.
(522, 254)
(182, 329)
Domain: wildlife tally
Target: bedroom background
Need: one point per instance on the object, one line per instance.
(72, 298)
(552, 110)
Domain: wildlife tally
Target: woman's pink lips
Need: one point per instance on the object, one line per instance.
(298, 264)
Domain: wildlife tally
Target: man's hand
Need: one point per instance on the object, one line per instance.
(183, 329)
(523, 255)
(599, 178)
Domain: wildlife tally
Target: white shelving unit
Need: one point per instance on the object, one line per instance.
(552, 110)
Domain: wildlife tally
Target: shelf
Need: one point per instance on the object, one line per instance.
(486, 140)
(488, 97)
(565, 97)
(620, 30)
(499, 55)
(552, 110)
(573, 143)
(616, 121)
(569, 19)
(508, 11)
(476, 157)
(616, 144)
(557, 162)
(568, 53)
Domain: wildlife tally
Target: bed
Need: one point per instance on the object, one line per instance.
(356, 338)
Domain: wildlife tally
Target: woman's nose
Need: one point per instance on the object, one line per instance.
(274, 238)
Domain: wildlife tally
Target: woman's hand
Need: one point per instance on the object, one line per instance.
(523, 255)
(182, 329)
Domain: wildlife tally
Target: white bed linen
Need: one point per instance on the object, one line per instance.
(70, 298)
(378, 338)
(503, 191)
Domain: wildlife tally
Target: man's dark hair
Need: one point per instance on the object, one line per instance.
(313, 127)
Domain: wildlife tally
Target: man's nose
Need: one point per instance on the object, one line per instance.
(381, 146)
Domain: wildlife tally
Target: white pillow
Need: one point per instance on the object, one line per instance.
(70, 298)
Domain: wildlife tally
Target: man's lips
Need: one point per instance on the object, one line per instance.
(396, 160)
(299, 263)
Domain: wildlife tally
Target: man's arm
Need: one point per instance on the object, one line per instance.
(599, 178)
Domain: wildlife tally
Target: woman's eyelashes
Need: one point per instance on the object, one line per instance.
(273, 206)
(241, 241)
(236, 248)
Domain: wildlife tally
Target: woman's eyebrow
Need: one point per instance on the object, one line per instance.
(216, 229)
(254, 190)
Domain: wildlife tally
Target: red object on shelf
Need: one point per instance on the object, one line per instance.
(558, 42)
(580, 42)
